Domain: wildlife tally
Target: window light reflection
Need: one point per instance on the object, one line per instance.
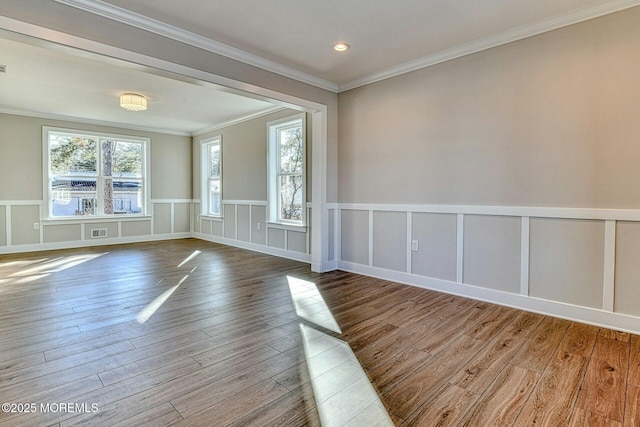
(154, 305)
(310, 305)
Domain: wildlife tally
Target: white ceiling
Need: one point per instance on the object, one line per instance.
(47, 80)
(291, 37)
(386, 36)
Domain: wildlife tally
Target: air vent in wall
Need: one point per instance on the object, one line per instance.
(98, 233)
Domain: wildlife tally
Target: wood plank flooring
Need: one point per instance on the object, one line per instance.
(188, 332)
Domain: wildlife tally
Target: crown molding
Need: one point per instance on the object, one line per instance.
(124, 16)
(79, 120)
(515, 34)
(238, 120)
(115, 13)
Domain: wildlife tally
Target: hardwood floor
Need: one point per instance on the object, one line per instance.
(188, 332)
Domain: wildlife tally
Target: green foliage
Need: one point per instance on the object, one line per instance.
(70, 154)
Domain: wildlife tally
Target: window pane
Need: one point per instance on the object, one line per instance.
(71, 155)
(290, 141)
(214, 161)
(127, 159)
(72, 196)
(215, 197)
(127, 196)
(291, 197)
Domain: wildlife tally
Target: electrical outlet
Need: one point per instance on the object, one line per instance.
(415, 246)
(36, 226)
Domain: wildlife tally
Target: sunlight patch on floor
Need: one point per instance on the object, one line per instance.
(342, 391)
(344, 396)
(189, 258)
(310, 305)
(154, 305)
(40, 268)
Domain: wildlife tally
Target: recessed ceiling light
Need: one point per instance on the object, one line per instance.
(341, 47)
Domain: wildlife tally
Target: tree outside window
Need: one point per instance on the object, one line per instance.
(287, 163)
(93, 175)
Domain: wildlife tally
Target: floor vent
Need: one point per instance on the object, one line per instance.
(98, 233)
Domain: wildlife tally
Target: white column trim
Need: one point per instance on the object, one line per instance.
(460, 248)
(608, 285)
(409, 239)
(370, 238)
(524, 256)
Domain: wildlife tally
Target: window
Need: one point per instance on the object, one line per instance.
(94, 175)
(211, 188)
(287, 170)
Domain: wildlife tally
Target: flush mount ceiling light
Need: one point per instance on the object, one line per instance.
(341, 47)
(133, 102)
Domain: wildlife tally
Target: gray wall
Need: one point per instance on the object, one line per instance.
(244, 189)
(546, 121)
(21, 188)
(65, 19)
(516, 167)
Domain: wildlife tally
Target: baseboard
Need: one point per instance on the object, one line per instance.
(295, 256)
(592, 316)
(39, 247)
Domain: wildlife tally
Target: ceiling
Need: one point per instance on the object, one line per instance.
(387, 37)
(290, 37)
(48, 80)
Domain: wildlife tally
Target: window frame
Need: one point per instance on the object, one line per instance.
(205, 179)
(145, 178)
(274, 164)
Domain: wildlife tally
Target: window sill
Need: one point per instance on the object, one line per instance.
(83, 219)
(287, 226)
(212, 218)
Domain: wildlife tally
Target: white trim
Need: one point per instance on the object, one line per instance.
(524, 256)
(7, 213)
(174, 201)
(530, 211)
(136, 20)
(73, 244)
(218, 126)
(371, 242)
(495, 40)
(460, 248)
(245, 202)
(409, 242)
(296, 256)
(89, 220)
(173, 217)
(81, 120)
(20, 202)
(320, 219)
(285, 226)
(572, 312)
(608, 286)
(235, 223)
(337, 251)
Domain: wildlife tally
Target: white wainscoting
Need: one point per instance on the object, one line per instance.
(557, 261)
(17, 232)
(244, 224)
